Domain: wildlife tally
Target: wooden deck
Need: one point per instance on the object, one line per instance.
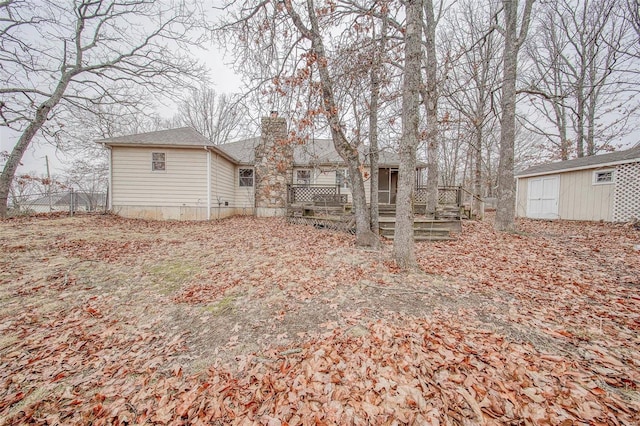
(424, 229)
(336, 223)
(325, 207)
(340, 218)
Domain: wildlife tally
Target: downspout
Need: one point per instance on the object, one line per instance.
(518, 198)
(218, 185)
(208, 183)
(109, 179)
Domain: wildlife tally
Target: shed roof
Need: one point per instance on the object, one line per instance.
(591, 162)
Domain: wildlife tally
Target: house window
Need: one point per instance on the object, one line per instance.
(602, 177)
(303, 177)
(342, 178)
(158, 163)
(246, 177)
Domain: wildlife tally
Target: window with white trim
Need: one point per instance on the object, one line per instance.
(303, 177)
(342, 178)
(245, 177)
(158, 163)
(603, 177)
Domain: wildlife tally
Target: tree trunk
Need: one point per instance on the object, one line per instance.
(431, 107)
(364, 236)
(476, 204)
(591, 107)
(403, 244)
(580, 123)
(10, 168)
(561, 123)
(374, 155)
(505, 212)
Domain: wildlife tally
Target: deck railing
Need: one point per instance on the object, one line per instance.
(311, 193)
(447, 195)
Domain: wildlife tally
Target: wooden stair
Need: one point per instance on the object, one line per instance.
(423, 229)
(449, 212)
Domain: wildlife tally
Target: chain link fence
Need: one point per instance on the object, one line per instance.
(71, 201)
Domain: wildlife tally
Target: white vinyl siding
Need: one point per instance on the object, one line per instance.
(183, 183)
(581, 200)
(222, 181)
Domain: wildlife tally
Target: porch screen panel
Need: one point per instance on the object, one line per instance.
(383, 186)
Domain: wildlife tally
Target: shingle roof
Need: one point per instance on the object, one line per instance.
(314, 152)
(184, 136)
(593, 161)
(243, 151)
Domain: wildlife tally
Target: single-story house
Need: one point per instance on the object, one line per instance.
(179, 174)
(601, 187)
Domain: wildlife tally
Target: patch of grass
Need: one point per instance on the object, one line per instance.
(221, 307)
(171, 275)
(48, 307)
(7, 340)
(520, 233)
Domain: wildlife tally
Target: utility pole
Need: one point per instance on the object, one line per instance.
(46, 159)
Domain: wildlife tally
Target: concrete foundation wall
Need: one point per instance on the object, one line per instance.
(270, 212)
(178, 213)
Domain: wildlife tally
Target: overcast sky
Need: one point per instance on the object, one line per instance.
(224, 81)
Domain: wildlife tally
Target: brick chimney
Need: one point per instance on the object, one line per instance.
(273, 167)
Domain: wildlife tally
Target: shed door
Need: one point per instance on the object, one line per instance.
(543, 194)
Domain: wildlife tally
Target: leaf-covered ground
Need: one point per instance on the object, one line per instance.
(253, 321)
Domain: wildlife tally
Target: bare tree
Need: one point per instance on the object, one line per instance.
(472, 85)
(87, 53)
(550, 85)
(403, 244)
(286, 44)
(579, 82)
(220, 117)
(632, 14)
(513, 39)
(90, 178)
(348, 152)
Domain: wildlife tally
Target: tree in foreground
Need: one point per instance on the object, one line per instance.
(57, 58)
(513, 39)
(403, 244)
(290, 47)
